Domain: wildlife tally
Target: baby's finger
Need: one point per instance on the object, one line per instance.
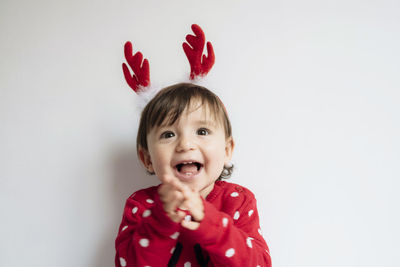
(180, 186)
(177, 183)
(164, 189)
(173, 201)
(173, 181)
(191, 225)
(195, 208)
(177, 216)
(167, 178)
(187, 192)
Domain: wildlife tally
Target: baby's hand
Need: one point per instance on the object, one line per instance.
(172, 198)
(194, 204)
(177, 198)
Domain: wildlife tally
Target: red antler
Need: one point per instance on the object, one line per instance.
(198, 65)
(141, 72)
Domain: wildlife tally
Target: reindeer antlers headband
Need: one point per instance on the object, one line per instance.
(200, 64)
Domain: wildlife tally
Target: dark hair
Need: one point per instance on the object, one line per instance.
(168, 105)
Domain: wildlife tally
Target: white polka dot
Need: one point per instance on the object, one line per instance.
(236, 215)
(188, 218)
(251, 212)
(134, 210)
(174, 235)
(124, 228)
(225, 222)
(150, 201)
(235, 194)
(187, 264)
(248, 242)
(122, 261)
(230, 252)
(144, 242)
(172, 250)
(146, 213)
(258, 266)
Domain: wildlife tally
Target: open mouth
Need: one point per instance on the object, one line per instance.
(188, 169)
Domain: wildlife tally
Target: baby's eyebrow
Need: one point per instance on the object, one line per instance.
(162, 128)
(206, 122)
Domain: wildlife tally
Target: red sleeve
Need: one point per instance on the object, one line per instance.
(146, 235)
(232, 240)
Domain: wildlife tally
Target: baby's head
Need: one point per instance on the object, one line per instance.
(185, 131)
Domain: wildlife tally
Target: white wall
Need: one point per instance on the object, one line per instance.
(312, 88)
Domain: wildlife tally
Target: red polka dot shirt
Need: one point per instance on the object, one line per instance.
(229, 234)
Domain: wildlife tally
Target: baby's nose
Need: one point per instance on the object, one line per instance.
(185, 144)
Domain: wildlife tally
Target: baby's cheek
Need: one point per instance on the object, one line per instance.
(215, 167)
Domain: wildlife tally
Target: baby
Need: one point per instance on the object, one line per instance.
(193, 218)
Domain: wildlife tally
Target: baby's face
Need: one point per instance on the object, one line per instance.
(194, 149)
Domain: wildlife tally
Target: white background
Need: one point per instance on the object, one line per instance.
(312, 88)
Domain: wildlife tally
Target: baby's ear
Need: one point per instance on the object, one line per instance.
(145, 158)
(229, 147)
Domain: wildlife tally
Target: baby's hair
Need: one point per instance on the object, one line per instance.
(167, 107)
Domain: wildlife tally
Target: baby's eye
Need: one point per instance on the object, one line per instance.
(167, 135)
(203, 131)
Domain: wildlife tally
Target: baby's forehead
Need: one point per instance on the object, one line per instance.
(201, 112)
